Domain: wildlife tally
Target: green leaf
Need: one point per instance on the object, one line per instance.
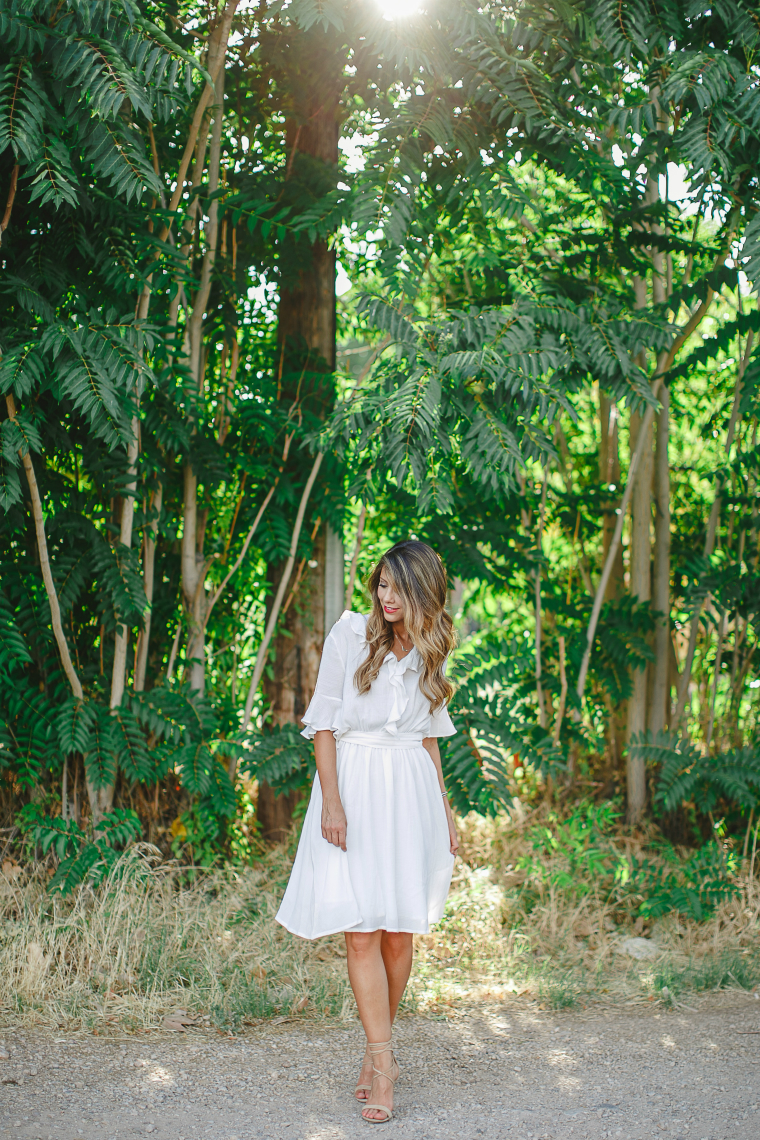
(131, 748)
(195, 765)
(74, 726)
(100, 759)
(118, 827)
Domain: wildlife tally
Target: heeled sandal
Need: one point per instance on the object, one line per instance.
(364, 1088)
(375, 1048)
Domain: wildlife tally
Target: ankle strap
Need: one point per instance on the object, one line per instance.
(376, 1047)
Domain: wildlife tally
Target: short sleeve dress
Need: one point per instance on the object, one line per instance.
(396, 871)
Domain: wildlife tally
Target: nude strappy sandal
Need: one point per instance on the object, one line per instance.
(375, 1048)
(363, 1088)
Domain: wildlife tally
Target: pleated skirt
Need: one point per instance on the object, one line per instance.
(396, 871)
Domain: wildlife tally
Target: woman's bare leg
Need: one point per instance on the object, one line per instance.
(369, 980)
(396, 949)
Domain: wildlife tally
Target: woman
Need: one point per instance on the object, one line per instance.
(378, 842)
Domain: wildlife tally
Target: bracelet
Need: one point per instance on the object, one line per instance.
(445, 795)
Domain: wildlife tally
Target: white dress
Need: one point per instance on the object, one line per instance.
(396, 871)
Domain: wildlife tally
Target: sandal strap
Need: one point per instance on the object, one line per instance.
(378, 1107)
(375, 1049)
(385, 1073)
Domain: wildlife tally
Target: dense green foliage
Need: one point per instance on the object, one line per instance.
(548, 219)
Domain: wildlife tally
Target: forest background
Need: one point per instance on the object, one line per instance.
(284, 283)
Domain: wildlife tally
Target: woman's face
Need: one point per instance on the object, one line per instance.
(393, 607)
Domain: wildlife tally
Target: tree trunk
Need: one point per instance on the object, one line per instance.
(193, 583)
(659, 711)
(193, 562)
(298, 648)
(149, 568)
(101, 798)
(712, 528)
(609, 475)
(542, 721)
(335, 578)
(659, 707)
(693, 323)
(306, 335)
(355, 556)
(119, 671)
(640, 588)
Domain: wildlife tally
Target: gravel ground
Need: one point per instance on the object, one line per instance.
(498, 1071)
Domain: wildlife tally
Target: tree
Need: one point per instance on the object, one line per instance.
(532, 302)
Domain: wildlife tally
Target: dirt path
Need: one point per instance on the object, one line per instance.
(502, 1071)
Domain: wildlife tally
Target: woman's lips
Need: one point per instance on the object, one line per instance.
(391, 609)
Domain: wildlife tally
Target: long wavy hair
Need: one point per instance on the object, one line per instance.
(416, 573)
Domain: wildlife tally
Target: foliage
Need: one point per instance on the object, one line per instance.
(693, 887)
(493, 727)
(81, 858)
(545, 200)
(579, 856)
(281, 756)
(686, 774)
(161, 939)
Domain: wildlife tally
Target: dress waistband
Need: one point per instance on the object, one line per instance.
(382, 739)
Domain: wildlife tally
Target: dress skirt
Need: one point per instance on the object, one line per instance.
(396, 871)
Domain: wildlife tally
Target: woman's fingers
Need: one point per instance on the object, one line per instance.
(334, 824)
(335, 833)
(338, 836)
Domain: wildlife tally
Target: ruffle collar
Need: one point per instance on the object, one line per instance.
(396, 670)
(411, 661)
(357, 623)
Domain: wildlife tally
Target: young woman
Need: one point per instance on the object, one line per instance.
(378, 842)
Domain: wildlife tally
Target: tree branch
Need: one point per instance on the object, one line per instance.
(217, 47)
(355, 555)
(275, 612)
(712, 528)
(47, 574)
(646, 423)
(218, 593)
(9, 203)
(539, 552)
(615, 542)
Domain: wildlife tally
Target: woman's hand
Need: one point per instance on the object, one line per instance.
(334, 822)
(333, 815)
(453, 837)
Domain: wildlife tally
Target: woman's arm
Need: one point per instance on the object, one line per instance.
(333, 815)
(430, 744)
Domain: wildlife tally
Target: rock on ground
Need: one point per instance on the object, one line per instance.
(498, 1071)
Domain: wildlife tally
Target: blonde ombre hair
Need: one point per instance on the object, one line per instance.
(416, 573)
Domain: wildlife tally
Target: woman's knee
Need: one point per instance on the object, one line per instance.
(363, 943)
(397, 943)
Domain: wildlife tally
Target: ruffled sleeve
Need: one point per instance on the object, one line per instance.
(325, 709)
(441, 723)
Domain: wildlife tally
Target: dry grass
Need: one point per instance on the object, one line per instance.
(153, 940)
(509, 930)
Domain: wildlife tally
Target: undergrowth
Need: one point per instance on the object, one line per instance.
(540, 911)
